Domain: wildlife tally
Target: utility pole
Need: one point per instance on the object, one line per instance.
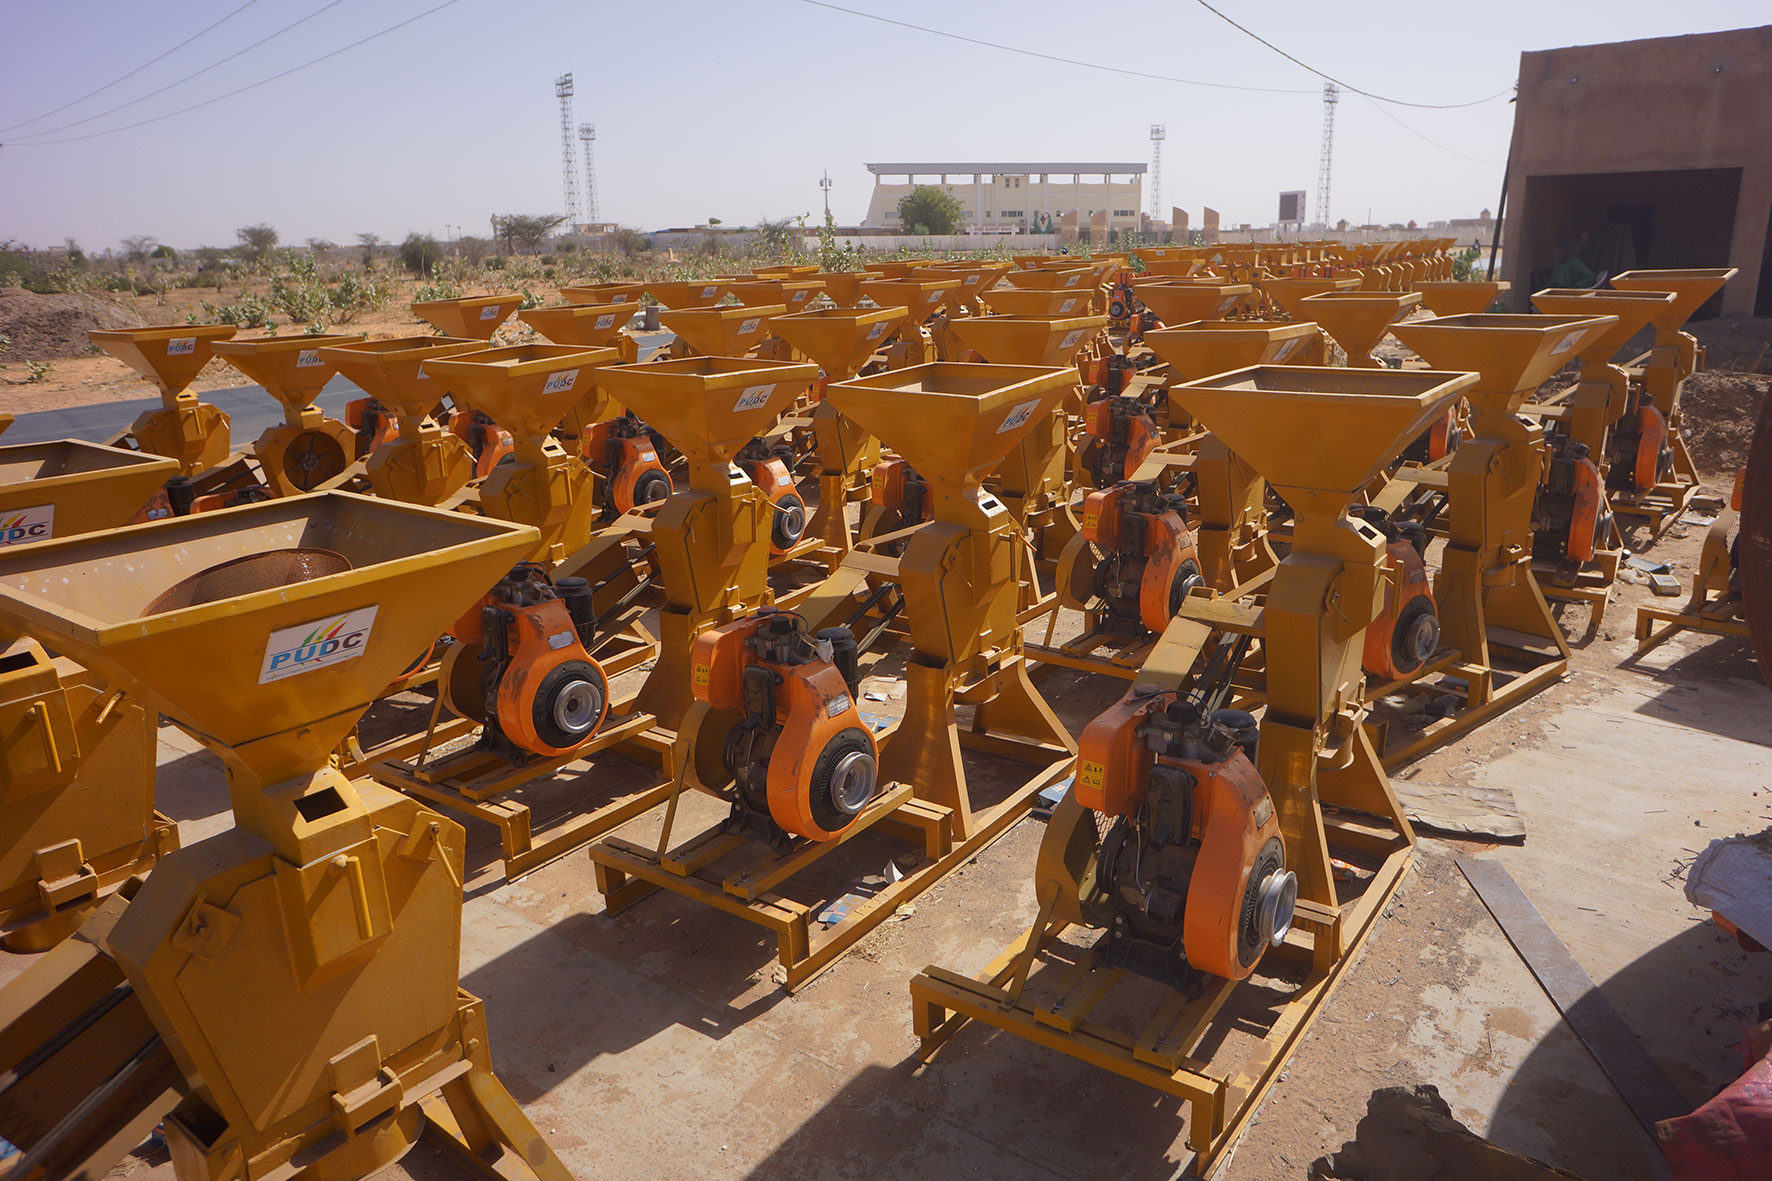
(587, 135)
(1159, 133)
(824, 182)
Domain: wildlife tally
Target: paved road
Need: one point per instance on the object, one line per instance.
(249, 407)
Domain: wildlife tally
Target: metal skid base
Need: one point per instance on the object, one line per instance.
(627, 872)
(1220, 1096)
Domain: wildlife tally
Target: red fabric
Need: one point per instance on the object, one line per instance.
(1730, 1137)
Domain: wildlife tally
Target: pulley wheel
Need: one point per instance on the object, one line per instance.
(652, 487)
(843, 780)
(1186, 579)
(1268, 902)
(790, 522)
(568, 704)
(1416, 636)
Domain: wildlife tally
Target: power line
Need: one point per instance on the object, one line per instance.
(1424, 139)
(125, 77)
(314, 61)
(1347, 86)
(181, 81)
(1069, 61)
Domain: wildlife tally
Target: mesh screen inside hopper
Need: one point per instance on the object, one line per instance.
(248, 575)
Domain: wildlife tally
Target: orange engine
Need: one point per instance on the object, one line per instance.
(1571, 519)
(1191, 875)
(896, 487)
(803, 764)
(1119, 433)
(373, 423)
(1640, 446)
(486, 439)
(179, 497)
(1407, 630)
(770, 470)
(1145, 561)
(519, 666)
(623, 452)
(1437, 442)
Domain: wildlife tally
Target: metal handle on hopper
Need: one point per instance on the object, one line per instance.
(40, 711)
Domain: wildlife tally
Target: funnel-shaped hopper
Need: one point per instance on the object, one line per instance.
(1509, 354)
(1052, 278)
(975, 278)
(844, 287)
(1205, 347)
(955, 423)
(1171, 268)
(721, 331)
(687, 293)
(292, 369)
(392, 371)
(840, 340)
(260, 656)
(1341, 426)
(60, 489)
(526, 389)
(1185, 302)
(1635, 310)
(1028, 340)
(601, 293)
(1691, 287)
(902, 268)
(587, 325)
(1015, 301)
(1357, 320)
(171, 358)
(708, 407)
(476, 317)
(796, 294)
(1460, 297)
(6, 420)
(918, 296)
(787, 270)
(1289, 293)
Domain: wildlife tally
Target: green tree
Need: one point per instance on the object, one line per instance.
(525, 232)
(256, 241)
(928, 210)
(419, 253)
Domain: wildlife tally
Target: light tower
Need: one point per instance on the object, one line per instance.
(1159, 133)
(587, 135)
(1331, 96)
(568, 162)
(824, 182)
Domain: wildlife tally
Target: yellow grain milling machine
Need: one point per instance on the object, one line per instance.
(77, 814)
(529, 665)
(774, 729)
(921, 296)
(308, 451)
(424, 463)
(1487, 639)
(1359, 319)
(1197, 846)
(185, 429)
(1576, 545)
(283, 996)
(475, 317)
(1659, 493)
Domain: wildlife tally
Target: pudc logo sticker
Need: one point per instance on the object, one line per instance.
(307, 359)
(489, 312)
(606, 320)
(750, 325)
(25, 525)
(559, 383)
(753, 397)
(1019, 415)
(182, 346)
(308, 647)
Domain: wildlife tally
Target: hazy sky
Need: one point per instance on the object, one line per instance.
(733, 108)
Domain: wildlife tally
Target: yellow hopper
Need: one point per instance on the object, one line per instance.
(1691, 287)
(844, 287)
(1185, 302)
(839, 340)
(603, 293)
(1510, 354)
(687, 293)
(68, 487)
(476, 317)
(1359, 319)
(1449, 297)
(1289, 292)
(796, 294)
(1017, 301)
(1053, 278)
(1029, 340)
(729, 331)
(1635, 311)
(587, 325)
(1205, 347)
(919, 297)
